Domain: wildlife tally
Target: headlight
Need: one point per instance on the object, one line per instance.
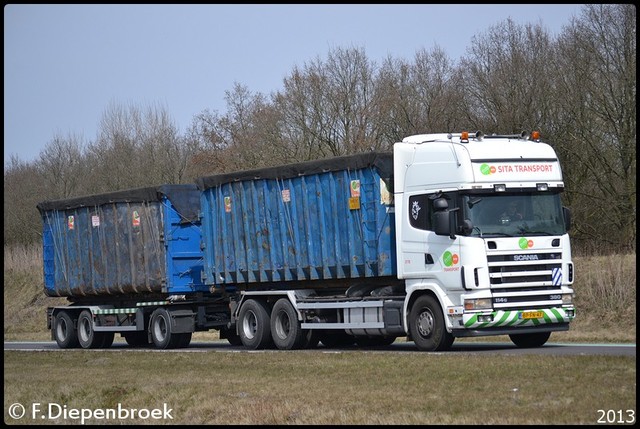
(567, 298)
(478, 304)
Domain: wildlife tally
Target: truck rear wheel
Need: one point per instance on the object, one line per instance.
(88, 338)
(64, 332)
(285, 328)
(310, 339)
(160, 328)
(255, 325)
(231, 336)
(336, 338)
(525, 341)
(427, 327)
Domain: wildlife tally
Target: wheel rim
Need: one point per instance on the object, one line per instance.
(62, 329)
(425, 323)
(250, 325)
(160, 328)
(283, 325)
(84, 331)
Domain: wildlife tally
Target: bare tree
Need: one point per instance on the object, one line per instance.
(327, 106)
(136, 147)
(595, 66)
(506, 78)
(246, 137)
(419, 97)
(62, 167)
(23, 190)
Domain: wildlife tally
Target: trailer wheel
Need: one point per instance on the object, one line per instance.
(160, 328)
(136, 338)
(64, 332)
(255, 325)
(88, 338)
(184, 340)
(427, 326)
(530, 340)
(285, 328)
(107, 339)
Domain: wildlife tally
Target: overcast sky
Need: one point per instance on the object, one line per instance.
(65, 64)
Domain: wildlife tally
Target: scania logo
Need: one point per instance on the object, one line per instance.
(525, 257)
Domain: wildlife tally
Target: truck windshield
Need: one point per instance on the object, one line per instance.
(514, 214)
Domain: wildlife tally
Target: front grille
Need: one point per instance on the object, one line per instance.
(525, 280)
(524, 269)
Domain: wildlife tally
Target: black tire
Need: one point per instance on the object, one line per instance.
(107, 339)
(160, 329)
(184, 340)
(64, 331)
(230, 335)
(255, 325)
(136, 338)
(336, 338)
(374, 341)
(285, 327)
(532, 340)
(427, 326)
(87, 337)
(310, 339)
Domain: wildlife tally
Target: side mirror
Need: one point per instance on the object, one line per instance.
(467, 227)
(440, 204)
(566, 213)
(442, 225)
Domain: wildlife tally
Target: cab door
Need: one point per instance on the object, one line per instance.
(422, 253)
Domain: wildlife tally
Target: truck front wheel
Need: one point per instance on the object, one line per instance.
(530, 340)
(285, 328)
(255, 325)
(427, 327)
(64, 332)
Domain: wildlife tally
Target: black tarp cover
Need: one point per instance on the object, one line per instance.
(382, 161)
(185, 198)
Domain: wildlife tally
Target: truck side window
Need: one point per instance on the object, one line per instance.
(420, 210)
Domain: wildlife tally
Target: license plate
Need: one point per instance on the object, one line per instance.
(532, 314)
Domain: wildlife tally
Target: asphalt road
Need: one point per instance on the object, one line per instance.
(557, 349)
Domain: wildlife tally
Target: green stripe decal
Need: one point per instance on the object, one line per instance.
(514, 318)
(472, 321)
(559, 316)
(503, 319)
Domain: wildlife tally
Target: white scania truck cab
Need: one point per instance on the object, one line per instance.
(481, 238)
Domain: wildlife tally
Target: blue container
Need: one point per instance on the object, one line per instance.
(318, 220)
(136, 241)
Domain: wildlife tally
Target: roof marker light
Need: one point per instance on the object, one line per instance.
(464, 137)
(535, 136)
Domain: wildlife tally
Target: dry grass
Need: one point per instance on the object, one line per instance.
(303, 387)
